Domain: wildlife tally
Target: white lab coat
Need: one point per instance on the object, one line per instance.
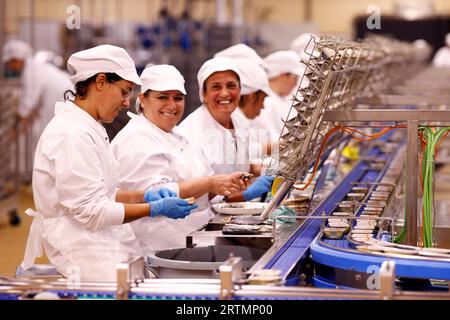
(151, 157)
(74, 188)
(276, 109)
(43, 85)
(442, 58)
(258, 136)
(226, 150)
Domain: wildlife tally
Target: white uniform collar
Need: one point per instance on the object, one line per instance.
(70, 107)
(241, 118)
(175, 132)
(211, 122)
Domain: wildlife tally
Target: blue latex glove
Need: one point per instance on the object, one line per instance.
(172, 207)
(262, 185)
(153, 195)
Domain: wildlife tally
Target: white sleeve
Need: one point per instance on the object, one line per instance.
(32, 88)
(80, 182)
(143, 164)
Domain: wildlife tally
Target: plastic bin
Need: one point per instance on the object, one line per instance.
(197, 262)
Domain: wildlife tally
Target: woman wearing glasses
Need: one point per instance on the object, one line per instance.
(153, 152)
(81, 218)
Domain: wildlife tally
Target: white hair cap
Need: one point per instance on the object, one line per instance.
(253, 76)
(300, 43)
(215, 65)
(240, 50)
(447, 39)
(16, 49)
(102, 59)
(285, 61)
(160, 77)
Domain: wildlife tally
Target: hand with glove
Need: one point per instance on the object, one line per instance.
(262, 185)
(171, 207)
(153, 195)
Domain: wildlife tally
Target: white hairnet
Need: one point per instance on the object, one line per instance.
(16, 49)
(162, 77)
(240, 51)
(253, 76)
(300, 43)
(447, 39)
(284, 61)
(215, 65)
(105, 58)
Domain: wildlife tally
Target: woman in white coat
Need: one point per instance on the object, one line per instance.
(283, 70)
(42, 85)
(82, 216)
(153, 152)
(216, 127)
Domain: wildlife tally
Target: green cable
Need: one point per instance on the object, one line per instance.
(428, 167)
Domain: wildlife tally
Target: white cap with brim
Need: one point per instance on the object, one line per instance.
(162, 77)
(284, 61)
(215, 65)
(102, 59)
(253, 77)
(16, 49)
(240, 50)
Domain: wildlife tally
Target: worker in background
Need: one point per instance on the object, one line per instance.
(442, 56)
(300, 44)
(82, 217)
(215, 127)
(284, 71)
(254, 89)
(42, 84)
(423, 50)
(153, 152)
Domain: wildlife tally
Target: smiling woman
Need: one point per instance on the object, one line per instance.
(153, 152)
(163, 108)
(215, 126)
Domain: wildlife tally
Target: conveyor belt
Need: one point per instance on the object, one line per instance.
(296, 247)
(345, 259)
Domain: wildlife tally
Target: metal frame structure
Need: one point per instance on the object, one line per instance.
(229, 287)
(340, 72)
(9, 171)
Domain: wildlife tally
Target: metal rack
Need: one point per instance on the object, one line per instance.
(338, 73)
(9, 156)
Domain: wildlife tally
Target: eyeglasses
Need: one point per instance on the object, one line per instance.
(126, 93)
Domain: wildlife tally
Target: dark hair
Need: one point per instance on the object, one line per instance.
(244, 96)
(81, 88)
(147, 93)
